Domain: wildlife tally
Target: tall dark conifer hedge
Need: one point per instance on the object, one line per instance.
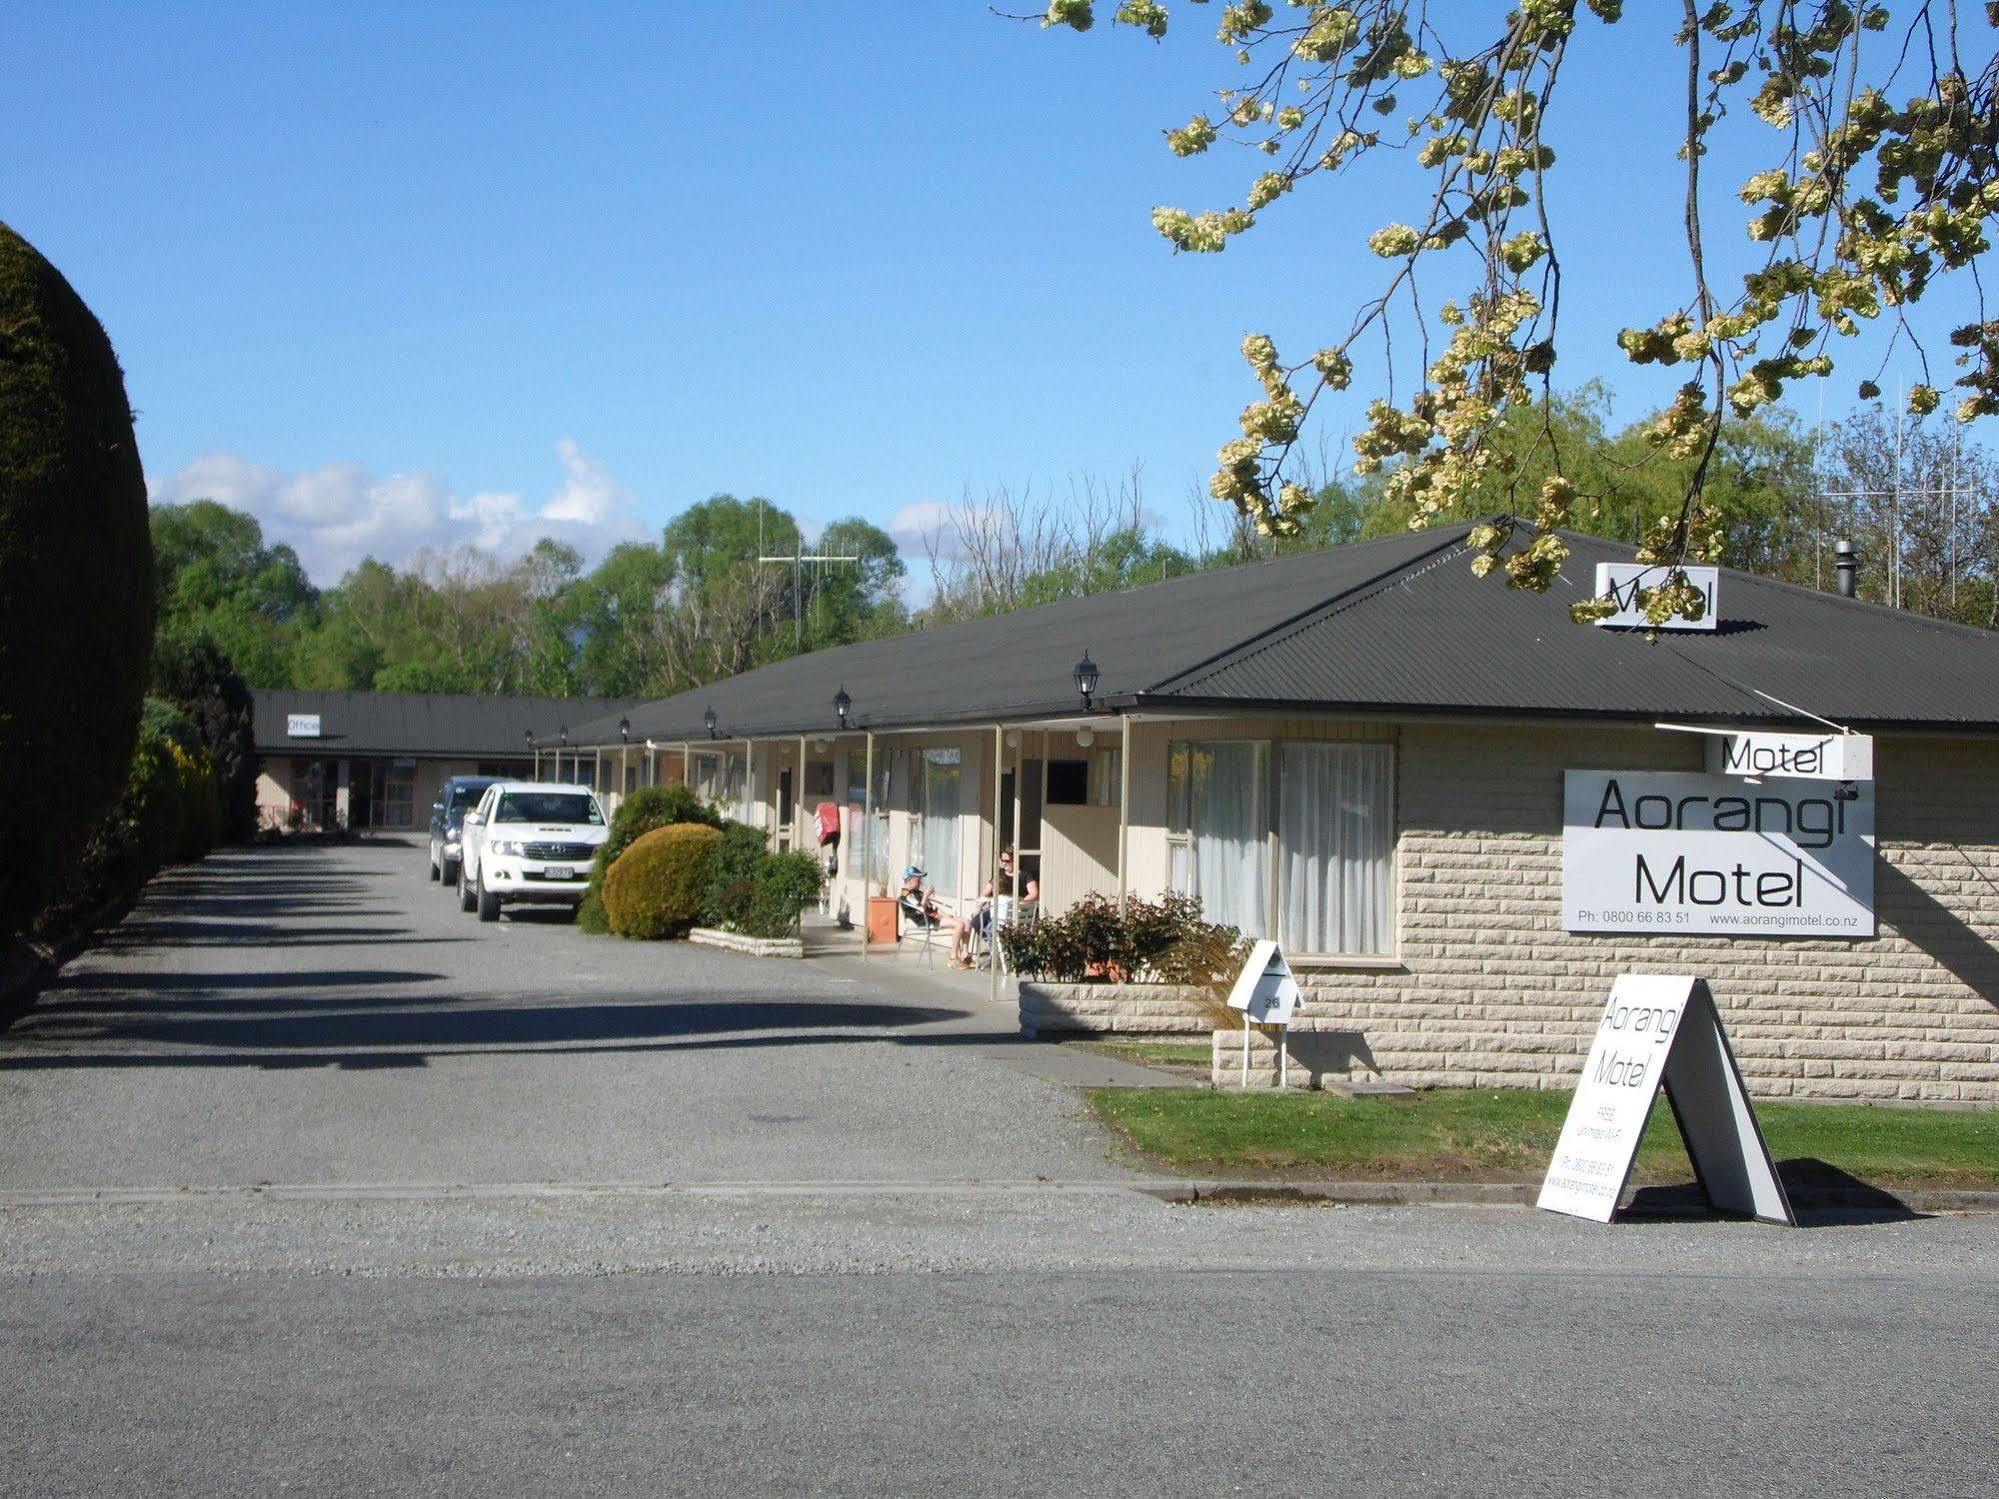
(76, 579)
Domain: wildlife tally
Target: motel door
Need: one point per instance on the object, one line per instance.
(786, 811)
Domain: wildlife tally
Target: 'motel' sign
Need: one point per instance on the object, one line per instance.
(1663, 852)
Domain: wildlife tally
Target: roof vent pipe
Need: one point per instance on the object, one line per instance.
(1846, 563)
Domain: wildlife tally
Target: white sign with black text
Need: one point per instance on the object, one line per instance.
(1823, 757)
(1621, 583)
(1667, 851)
(1662, 1031)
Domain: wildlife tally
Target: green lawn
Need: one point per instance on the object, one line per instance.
(1461, 1135)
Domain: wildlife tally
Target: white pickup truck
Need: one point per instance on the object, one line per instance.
(529, 842)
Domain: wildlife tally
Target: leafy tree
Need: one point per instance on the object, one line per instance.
(196, 676)
(1883, 177)
(214, 575)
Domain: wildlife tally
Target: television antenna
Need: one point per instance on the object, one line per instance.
(797, 560)
(1896, 493)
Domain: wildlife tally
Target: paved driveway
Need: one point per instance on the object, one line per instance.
(837, 1297)
(313, 1015)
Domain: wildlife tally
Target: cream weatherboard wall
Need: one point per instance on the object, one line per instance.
(1486, 988)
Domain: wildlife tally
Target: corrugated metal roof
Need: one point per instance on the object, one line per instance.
(1018, 665)
(1393, 625)
(1437, 638)
(434, 724)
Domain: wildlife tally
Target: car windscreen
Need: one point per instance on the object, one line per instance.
(547, 806)
(466, 796)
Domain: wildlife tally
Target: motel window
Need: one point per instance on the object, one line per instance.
(1303, 855)
(1106, 771)
(857, 792)
(937, 787)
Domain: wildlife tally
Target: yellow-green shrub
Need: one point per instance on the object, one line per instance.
(655, 888)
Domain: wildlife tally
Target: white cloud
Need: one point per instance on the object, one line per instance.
(340, 513)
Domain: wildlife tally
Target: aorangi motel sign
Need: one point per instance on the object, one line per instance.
(1665, 851)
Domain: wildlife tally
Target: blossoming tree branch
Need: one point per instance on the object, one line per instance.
(1884, 177)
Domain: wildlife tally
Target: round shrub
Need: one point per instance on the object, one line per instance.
(638, 814)
(654, 888)
(76, 578)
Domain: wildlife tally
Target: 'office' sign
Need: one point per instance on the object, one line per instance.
(301, 726)
(1662, 851)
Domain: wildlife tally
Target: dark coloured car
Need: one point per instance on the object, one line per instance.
(456, 797)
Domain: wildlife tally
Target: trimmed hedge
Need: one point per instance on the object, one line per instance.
(638, 814)
(169, 811)
(76, 579)
(654, 888)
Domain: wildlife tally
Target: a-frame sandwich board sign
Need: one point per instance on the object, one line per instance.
(1660, 1031)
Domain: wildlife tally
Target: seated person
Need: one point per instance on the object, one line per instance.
(918, 906)
(982, 919)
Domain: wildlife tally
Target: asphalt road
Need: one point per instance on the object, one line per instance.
(552, 1215)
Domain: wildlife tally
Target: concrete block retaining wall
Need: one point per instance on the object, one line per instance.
(1094, 1009)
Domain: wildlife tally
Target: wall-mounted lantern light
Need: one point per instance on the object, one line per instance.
(625, 730)
(562, 734)
(842, 704)
(708, 718)
(1086, 679)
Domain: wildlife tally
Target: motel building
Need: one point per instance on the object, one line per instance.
(1460, 814)
(375, 760)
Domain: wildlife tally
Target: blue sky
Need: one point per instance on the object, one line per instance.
(410, 275)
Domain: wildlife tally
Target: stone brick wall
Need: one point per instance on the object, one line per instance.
(1492, 992)
(1051, 1009)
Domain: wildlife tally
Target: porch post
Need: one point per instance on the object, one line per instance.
(750, 781)
(867, 842)
(1123, 806)
(992, 860)
(687, 765)
(798, 803)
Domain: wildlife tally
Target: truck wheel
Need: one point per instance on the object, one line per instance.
(468, 898)
(489, 904)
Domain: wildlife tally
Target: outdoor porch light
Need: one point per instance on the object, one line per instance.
(1086, 736)
(1086, 678)
(530, 737)
(842, 704)
(562, 734)
(708, 718)
(625, 730)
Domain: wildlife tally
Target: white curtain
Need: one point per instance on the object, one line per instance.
(1226, 826)
(938, 827)
(1334, 826)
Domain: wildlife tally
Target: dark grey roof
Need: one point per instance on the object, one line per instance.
(1397, 625)
(1436, 638)
(433, 725)
(1018, 665)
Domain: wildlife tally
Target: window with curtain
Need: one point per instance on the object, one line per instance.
(1304, 856)
(1220, 819)
(937, 787)
(1333, 848)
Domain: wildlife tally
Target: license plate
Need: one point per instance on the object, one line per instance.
(558, 872)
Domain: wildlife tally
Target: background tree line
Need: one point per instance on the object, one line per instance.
(654, 618)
